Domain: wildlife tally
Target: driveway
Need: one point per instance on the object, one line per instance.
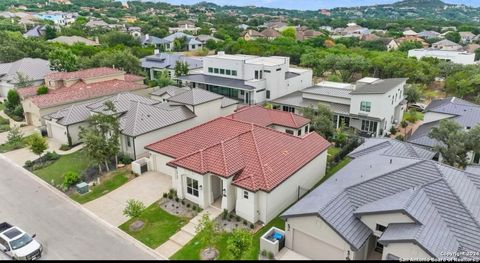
(148, 188)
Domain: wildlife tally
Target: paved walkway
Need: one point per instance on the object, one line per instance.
(182, 237)
(147, 188)
(27, 130)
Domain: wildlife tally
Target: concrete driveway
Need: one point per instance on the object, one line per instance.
(148, 188)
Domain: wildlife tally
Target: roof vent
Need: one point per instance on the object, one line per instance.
(391, 160)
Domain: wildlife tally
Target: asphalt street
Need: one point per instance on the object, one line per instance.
(66, 230)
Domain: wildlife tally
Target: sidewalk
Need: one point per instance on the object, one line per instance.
(182, 237)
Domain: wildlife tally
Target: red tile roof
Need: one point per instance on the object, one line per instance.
(82, 91)
(266, 117)
(82, 74)
(259, 158)
(27, 91)
(133, 78)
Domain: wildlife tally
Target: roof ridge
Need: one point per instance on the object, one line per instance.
(202, 167)
(259, 159)
(224, 157)
(135, 116)
(293, 119)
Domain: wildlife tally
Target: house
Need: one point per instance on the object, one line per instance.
(459, 57)
(243, 26)
(369, 37)
(465, 113)
(167, 61)
(428, 34)
(72, 40)
(447, 45)
(67, 88)
(205, 38)
(412, 38)
(352, 30)
(190, 42)
(135, 31)
(270, 33)
(142, 120)
(165, 93)
(391, 202)
(184, 26)
(410, 33)
(391, 44)
(249, 79)
(471, 48)
(36, 31)
(304, 34)
(158, 43)
(243, 166)
(276, 25)
(251, 34)
(58, 18)
(34, 69)
(371, 106)
(466, 37)
(97, 23)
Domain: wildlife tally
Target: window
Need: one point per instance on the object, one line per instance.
(245, 194)
(242, 92)
(278, 69)
(268, 94)
(234, 72)
(228, 72)
(210, 70)
(267, 71)
(299, 132)
(289, 132)
(365, 106)
(215, 70)
(192, 186)
(275, 107)
(288, 109)
(369, 126)
(222, 71)
(380, 228)
(306, 129)
(128, 141)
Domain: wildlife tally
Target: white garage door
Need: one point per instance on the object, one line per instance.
(59, 133)
(313, 248)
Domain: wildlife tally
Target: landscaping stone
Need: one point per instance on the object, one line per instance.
(176, 208)
(136, 225)
(229, 226)
(209, 254)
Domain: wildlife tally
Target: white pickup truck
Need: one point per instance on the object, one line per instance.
(17, 244)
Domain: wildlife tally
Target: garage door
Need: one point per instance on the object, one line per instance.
(59, 133)
(313, 248)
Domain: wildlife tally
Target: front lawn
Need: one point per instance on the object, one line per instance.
(159, 226)
(7, 147)
(407, 116)
(191, 251)
(118, 179)
(75, 162)
(332, 151)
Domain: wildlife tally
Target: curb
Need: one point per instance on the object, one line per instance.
(88, 212)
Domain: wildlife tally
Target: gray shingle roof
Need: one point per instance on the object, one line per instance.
(195, 97)
(34, 68)
(121, 102)
(71, 115)
(390, 147)
(379, 87)
(217, 81)
(465, 113)
(168, 61)
(443, 202)
(143, 118)
(152, 40)
(170, 90)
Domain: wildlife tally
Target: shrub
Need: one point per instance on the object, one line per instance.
(393, 130)
(263, 253)
(18, 111)
(4, 121)
(252, 226)
(51, 156)
(70, 178)
(177, 199)
(188, 205)
(400, 137)
(238, 218)
(224, 214)
(245, 222)
(270, 255)
(231, 215)
(165, 195)
(42, 90)
(65, 147)
(134, 208)
(125, 159)
(183, 202)
(173, 192)
(170, 196)
(28, 164)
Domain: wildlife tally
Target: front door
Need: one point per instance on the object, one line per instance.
(216, 184)
(247, 98)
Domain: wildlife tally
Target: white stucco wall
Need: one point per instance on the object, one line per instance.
(247, 208)
(180, 183)
(57, 131)
(384, 219)
(328, 99)
(454, 56)
(160, 164)
(407, 251)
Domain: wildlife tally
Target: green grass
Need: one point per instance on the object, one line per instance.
(119, 178)
(159, 226)
(419, 116)
(7, 147)
(332, 151)
(193, 248)
(75, 162)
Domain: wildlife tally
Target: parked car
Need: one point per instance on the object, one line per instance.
(17, 244)
(417, 106)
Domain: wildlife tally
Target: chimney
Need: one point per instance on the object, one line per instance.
(156, 51)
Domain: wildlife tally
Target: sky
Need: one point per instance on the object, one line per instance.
(308, 4)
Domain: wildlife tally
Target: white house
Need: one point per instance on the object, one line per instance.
(459, 57)
(249, 79)
(391, 202)
(33, 69)
(371, 106)
(184, 26)
(243, 166)
(159, 62)
(142, 120)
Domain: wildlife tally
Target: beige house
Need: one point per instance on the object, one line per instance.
(391, 202)
(67, 88)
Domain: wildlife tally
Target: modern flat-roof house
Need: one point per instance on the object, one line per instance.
(459, 57)
(58, 18)
(465, 113)
(243, 166)
(167, 61)
(184, 26)
(34, 69)
(67, 88)
(371, 106)
(391, 202)
(142, 120)
(249, 79)
(167, 43)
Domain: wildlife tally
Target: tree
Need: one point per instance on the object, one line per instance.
(22, 80)
(290, 33)
(162, 79)
(452, 144)
(38, 144)
(63, 60)
(453, 36)
(15, 136)
(134, 208)
(209, 230)
(70, 178)
(42, 90)
(413, 93)
(239, 242)
(181, 68)
(321, 120)
(114, 38)
(180, 44)
(50, 32)
(407, 45)
(122, 59)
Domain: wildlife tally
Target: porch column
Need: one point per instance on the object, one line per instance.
(228, 194)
